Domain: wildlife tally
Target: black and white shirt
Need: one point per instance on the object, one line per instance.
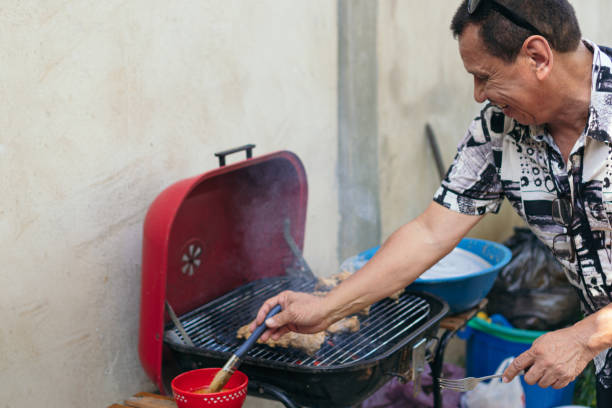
(498, 157)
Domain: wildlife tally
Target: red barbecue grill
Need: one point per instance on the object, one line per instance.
(216, 246)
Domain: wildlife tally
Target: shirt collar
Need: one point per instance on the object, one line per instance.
(599, 123)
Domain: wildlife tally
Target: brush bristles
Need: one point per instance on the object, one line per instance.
(221, 378)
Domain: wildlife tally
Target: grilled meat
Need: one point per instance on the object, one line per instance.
(308, 343)
(365, 311)
(395, 296)
(327, 284)
(346, 325)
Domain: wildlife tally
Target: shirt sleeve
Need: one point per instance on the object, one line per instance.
(472, 184)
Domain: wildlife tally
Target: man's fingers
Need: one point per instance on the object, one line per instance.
(560, 384)
(265, 335)
(556, 379)
(265, 309)
(284, 299)
(274, 334)
(253, 326)
(522, 362)
(547, 380)
(533, 375)
(279, 320)
(296, 314)
(261, 315)
(279, 333)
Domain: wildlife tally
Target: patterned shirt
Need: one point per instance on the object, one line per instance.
(498, 157)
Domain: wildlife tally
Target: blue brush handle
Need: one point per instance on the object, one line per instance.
(256, 333)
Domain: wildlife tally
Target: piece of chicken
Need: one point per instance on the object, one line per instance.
(324, 285)
(346, 325)
(327, 284)
(396, 295)
(308, 343)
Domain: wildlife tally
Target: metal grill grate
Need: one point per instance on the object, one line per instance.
(213, 326)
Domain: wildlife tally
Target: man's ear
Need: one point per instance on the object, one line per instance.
(540, 55)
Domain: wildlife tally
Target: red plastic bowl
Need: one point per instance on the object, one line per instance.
(184, 385)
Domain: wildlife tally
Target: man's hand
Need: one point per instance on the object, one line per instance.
(554, 360)
(301, 312)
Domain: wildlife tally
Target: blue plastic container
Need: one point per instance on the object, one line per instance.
(464, 291)
(489, 344)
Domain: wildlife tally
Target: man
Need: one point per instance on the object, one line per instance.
(543, 140)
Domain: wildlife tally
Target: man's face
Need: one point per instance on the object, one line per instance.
(511, 86)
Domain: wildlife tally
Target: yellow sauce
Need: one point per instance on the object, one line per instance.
(205, 390)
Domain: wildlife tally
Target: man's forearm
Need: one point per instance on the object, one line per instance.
(406, 254)
(402, 258)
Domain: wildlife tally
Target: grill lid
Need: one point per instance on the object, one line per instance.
(209, 234)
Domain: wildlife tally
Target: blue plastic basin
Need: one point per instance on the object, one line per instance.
(464, 291)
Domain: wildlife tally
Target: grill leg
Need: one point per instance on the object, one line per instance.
(272, 391)
(436, 367)
(450, 325)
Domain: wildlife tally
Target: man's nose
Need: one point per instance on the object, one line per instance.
(479, 93)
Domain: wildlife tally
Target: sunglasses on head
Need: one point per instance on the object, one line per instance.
(472, 6)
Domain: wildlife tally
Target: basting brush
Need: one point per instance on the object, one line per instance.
(223, 375)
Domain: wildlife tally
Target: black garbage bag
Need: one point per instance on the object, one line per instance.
(532, 291)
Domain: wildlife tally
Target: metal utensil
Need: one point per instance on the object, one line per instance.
(223, 376)
(303, 268)
(468, 383)
(178, 325)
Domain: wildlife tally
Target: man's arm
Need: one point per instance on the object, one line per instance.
(405, 255)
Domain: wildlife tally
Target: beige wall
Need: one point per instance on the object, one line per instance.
(104, 104)
(421, 79)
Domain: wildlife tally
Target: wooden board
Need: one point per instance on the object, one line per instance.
(455, 322)
(147, 400)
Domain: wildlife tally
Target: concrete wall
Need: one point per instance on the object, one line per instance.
(104, 104)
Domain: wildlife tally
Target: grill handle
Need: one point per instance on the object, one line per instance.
(221, 155)
(256, 333)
